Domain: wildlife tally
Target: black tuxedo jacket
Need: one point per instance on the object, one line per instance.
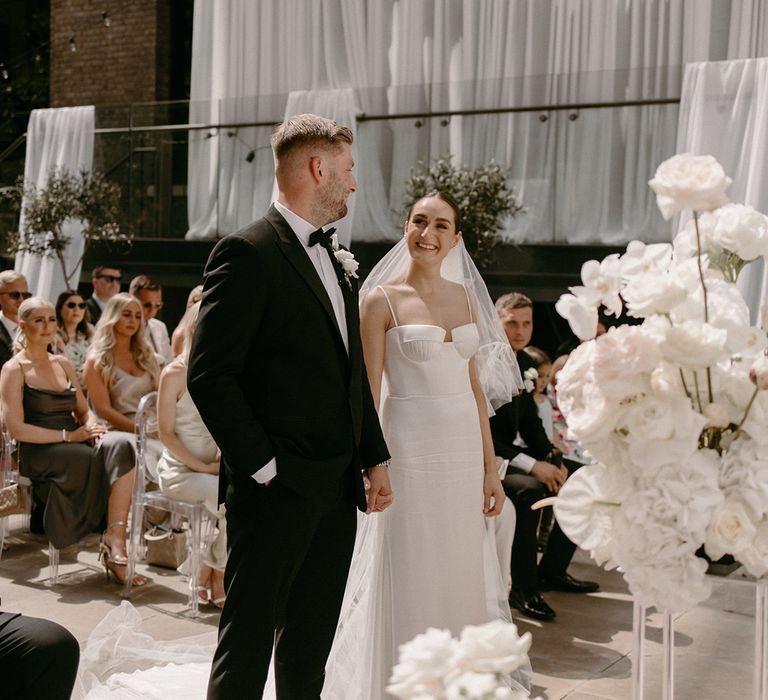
(269, 372)
(6, 345)
(520, 416)
(94, 308)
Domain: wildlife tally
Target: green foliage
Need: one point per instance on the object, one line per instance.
(484, 197)
(88, 197)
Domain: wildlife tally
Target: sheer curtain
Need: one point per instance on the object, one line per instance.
(582, 174)
(724, 112)
(56, 138)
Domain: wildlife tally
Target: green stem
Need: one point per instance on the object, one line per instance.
(704, 292)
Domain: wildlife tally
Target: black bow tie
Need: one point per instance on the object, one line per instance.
(321, 237)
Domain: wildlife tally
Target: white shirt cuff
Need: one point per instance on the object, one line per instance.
(523, 462)
(267, 472)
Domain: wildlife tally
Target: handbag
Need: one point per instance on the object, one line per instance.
(167, 548)
(12, 500)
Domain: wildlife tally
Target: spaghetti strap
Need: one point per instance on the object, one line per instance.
(469, 304)
(389, 304)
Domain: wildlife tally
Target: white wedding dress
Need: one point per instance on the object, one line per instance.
(428, 560)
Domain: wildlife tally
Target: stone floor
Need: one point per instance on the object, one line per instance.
(583, 655)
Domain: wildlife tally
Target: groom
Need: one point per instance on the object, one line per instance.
(276, 371)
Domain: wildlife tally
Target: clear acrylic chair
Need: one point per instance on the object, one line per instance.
(195, 513)
(9, 475)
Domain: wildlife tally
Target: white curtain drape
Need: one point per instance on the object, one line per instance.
(56, 138)
(582, 174)
(724, 113)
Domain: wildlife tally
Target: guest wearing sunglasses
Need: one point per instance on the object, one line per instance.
(75, 332)
(106, 283)
(150, 296)
(13, 290)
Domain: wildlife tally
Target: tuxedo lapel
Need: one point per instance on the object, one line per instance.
(5, 338)
(294, 251)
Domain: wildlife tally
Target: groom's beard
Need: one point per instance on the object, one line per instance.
(332, 203)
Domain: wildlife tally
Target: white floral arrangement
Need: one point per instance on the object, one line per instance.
(674, 410)
(435, 666)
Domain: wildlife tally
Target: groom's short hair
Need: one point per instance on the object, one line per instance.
(308, 130)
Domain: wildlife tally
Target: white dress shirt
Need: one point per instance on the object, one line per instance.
(11, 326)
(156, 334)
(324, 268)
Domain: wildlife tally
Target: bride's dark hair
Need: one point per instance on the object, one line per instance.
(446, 197)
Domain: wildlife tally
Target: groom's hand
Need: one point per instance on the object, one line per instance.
(379, 491)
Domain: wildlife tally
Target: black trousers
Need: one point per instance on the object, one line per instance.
(524, 490)
(288, 562)
(38, 659)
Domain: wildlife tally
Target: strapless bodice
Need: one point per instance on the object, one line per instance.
(419, 361)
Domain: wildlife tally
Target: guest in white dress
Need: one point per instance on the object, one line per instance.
(119, 370)
(75, 331)
(188, 469)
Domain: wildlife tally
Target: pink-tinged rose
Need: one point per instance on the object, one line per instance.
(730, 531)
(758, 373)
(718, 415)
(742, 230)
(686, 181)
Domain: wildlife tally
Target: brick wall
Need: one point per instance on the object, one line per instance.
(125, 62)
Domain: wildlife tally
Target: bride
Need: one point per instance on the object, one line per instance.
(437, 363)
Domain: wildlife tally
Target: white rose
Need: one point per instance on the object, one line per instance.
(744, 475)
(730, 531)
(758, 373)
(622, 360)
(755, 556)
(348, 262)
(718, 415)
(660, 428)
(693, 182)
(424, 662)
(741, 229)
(685, 245)
(695, 344)
(650, 286)
(494, 647)
(726, 310)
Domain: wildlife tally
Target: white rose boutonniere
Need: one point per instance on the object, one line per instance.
(529, 378)
(345, 258)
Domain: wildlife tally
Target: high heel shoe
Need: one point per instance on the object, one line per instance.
(114, 563)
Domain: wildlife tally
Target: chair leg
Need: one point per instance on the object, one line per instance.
(195, 560)
(53, 565)
(134, 545)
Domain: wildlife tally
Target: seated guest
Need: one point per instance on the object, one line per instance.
(38, 658)
(74, 335)
(119, 370)
(177, 339)
(543, 366)
(13, 290)
(530, 476)
(188, 469)
(47, 414)
(150, 296)
(106, 283)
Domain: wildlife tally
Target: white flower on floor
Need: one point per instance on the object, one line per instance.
(434, 666)
(424, 664)
(685, 181)
(495, 647)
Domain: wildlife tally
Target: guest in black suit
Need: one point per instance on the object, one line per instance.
(533, 473)
(276, 371)
(13, 290)
(106, 283)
